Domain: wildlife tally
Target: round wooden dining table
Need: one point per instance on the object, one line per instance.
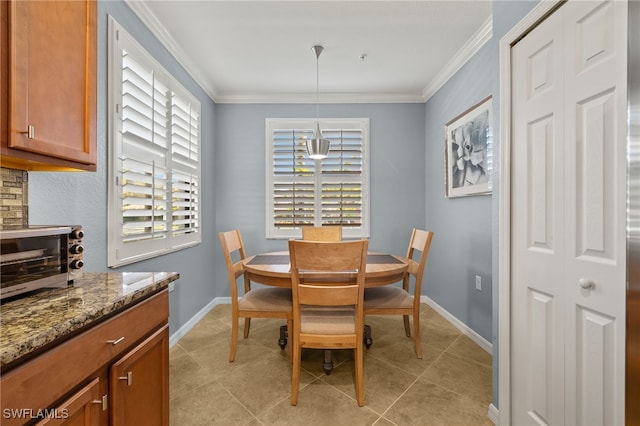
(274, 269)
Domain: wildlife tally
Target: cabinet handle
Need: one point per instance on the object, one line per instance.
(31, 132)
(103, 401)
(128, 378)
(116, 341)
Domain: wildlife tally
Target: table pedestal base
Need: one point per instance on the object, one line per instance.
(283, 337)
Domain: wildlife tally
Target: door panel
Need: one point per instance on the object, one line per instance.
(537, 218)
(595, 197)
(568, 217)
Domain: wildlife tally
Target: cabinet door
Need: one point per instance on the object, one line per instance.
(82, 409)
(140, 383)
(52, 73)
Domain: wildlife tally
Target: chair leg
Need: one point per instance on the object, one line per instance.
(295, 374)
(234, 337)
(290, 338)
(359, 376)
(407, 328)
(416, 334)
(247, 325)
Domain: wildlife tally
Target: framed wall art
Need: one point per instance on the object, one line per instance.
(467, 160)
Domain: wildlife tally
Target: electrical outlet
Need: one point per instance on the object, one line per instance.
(171, 286)
(478, 283)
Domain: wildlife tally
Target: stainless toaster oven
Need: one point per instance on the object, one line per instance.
(39, 257)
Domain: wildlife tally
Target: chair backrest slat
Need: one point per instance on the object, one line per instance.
(421, 241)
(231, 242)
(322, 233)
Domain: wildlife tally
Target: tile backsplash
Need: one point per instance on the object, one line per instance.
(14, 199)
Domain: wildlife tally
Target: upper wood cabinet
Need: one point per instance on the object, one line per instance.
(48, 67)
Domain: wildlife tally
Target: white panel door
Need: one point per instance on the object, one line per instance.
(568, 217)
(595, 205)
(537, 212)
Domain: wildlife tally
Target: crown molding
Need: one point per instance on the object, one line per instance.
(471, 47)
(153, 24)
(326, 98)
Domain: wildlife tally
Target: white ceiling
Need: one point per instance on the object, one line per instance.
(260, 51)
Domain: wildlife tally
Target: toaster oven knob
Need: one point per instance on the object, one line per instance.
(77, 234)
(76, 249)
(76, 264)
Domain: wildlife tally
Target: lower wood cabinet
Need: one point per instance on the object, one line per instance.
(139, 383)
(114, 373)
(82, 408)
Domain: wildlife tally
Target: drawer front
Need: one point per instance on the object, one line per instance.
(40, 382)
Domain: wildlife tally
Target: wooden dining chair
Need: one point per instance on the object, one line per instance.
(392, 300)
(327, 280)
(271, 302)
(322, 233)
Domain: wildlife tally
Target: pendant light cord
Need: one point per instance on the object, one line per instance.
(318, 87)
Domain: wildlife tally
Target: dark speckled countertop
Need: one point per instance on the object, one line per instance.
(30, 323)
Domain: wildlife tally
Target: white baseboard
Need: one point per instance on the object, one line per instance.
(494, 414)
(173, 339)
(465, 329)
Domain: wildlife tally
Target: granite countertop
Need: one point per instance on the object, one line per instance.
(33, 322)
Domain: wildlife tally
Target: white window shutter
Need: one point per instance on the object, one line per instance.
(154, 161)
(302, 191)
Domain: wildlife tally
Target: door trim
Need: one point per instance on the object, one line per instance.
(531, 20)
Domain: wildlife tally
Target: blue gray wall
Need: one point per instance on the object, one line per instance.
(81, 198)
(397, 172)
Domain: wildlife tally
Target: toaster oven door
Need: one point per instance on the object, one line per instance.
(29, 263)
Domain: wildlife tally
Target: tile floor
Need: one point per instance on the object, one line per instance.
(451, 385)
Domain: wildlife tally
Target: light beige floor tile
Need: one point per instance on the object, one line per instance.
(261, 384)
(384, 422)
(319, 404)
(201, 334)
(464, 347)
(176, 351)
(430, 316)
(221, 312)
(185, 374)
(383, 383)
(427, 404)
(399, 350)
(208, 405)
(462, 376)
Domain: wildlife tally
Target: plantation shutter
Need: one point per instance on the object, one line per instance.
(185, 137)
(154, 193)
(293, 189)
(303, 191)
(341, 201)
(142, 161)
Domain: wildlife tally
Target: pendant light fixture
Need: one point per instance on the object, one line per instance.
(318, 147)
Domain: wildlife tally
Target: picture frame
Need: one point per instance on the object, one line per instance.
(468, 146)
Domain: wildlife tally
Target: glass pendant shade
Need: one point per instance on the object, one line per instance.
(318, 147)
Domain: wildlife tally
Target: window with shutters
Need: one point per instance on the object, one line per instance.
(154, 156)
(302, 191)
